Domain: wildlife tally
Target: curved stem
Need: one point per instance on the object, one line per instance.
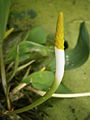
(60, 61)
(40, 100)
(58, 78)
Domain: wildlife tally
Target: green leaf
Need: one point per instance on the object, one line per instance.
(43, 80)
(4, 11)
(79, 55)
(38, 35)
(28, 50)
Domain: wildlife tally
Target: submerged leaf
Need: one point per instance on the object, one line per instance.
(38, 35)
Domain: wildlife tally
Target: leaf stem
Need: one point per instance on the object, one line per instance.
(16, 64)
(3, 76)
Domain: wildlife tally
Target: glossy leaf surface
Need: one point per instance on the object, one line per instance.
(43, 80)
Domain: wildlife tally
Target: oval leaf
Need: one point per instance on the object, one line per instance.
(42, 80)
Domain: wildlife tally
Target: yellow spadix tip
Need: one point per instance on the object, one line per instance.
(59, 38)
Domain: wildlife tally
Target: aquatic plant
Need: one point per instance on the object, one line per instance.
(19, 51)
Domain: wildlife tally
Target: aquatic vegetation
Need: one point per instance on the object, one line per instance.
(32, 51)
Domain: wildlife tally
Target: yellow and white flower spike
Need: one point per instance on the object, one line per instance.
(59, 47)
